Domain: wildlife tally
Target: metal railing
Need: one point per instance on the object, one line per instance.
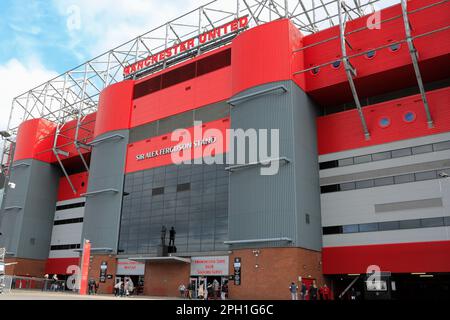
(9, 283)
(74, 94)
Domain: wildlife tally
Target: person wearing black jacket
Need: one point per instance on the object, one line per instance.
(313, 291)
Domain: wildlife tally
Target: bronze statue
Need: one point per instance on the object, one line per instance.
(172, 237)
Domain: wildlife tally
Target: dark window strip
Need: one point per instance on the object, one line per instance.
(186, 119)
(386, 181)
(157, 191)
(68, 221)
(65, 247)
(392, 154)
(70, 206)
(388, 226)
(195, 69)
(183, 187)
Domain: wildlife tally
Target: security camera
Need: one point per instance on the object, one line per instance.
(443, 175)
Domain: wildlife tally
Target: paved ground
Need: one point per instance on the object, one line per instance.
(39, 295)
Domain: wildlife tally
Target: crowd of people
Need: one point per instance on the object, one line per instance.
(205, 291)
(124, 289)
(309, 293)
(53, 284)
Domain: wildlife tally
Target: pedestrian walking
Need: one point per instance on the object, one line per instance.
(117, 288)
(209, 291)
(216, 288)
(224, 292)
(326, 292)
(182, 290)
(293, 288)
(44, 286)
(303, 291)
(313, 291)
(201, 291)
(54, 283)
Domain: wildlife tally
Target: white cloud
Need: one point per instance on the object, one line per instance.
(16, 78)
(105, 24)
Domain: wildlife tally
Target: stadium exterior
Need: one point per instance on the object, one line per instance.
(363, 115)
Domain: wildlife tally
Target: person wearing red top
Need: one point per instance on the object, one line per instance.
(325, 292)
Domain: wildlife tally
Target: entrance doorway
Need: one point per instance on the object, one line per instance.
(137, 281)
(210, 288)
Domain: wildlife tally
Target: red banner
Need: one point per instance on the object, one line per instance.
(85, 267)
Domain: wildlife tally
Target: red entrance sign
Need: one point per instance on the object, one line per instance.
(219, 32)
(85, 267)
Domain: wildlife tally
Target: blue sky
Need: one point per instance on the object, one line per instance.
(40, 39)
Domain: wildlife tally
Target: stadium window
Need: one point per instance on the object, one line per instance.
(347, 186)
(428, 175)
(389, 225)
(441, 146)
(332, 230)
(363, 159)
(395, 47)
(433, 222)
(384, 181)
(384, 122)
(381, 156)
(352, 228)
(157, 191)
(410, 224)
(368, 227)
(315, 71)
(371, 54)
(330, 188)
(364, 184)
(422, 149)
(147, 87)
(447, 221)
(336, 64)
(404, 178)
(183, 187)
(178, 75)
(214, 62)
(401, 153)
(328, 165)
(346, 162)
(409, 117)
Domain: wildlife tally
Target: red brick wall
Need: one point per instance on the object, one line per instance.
(163, 279)
(277, 268)
(26, 267)
(94, 272)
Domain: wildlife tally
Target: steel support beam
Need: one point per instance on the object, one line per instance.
(350, 71)
(415, 62)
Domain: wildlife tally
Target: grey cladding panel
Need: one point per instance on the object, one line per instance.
(263, 207)
(102, 210)
(408, 205)
(27, 228)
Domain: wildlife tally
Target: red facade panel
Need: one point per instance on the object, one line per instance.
(343, 131)
(60, 265)
(216, 129)
(80, 183)
(114, 108)
(68, 132)
(188, 95)
(395, 258)
(264, 54)
(387, 70)
(35, 140)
